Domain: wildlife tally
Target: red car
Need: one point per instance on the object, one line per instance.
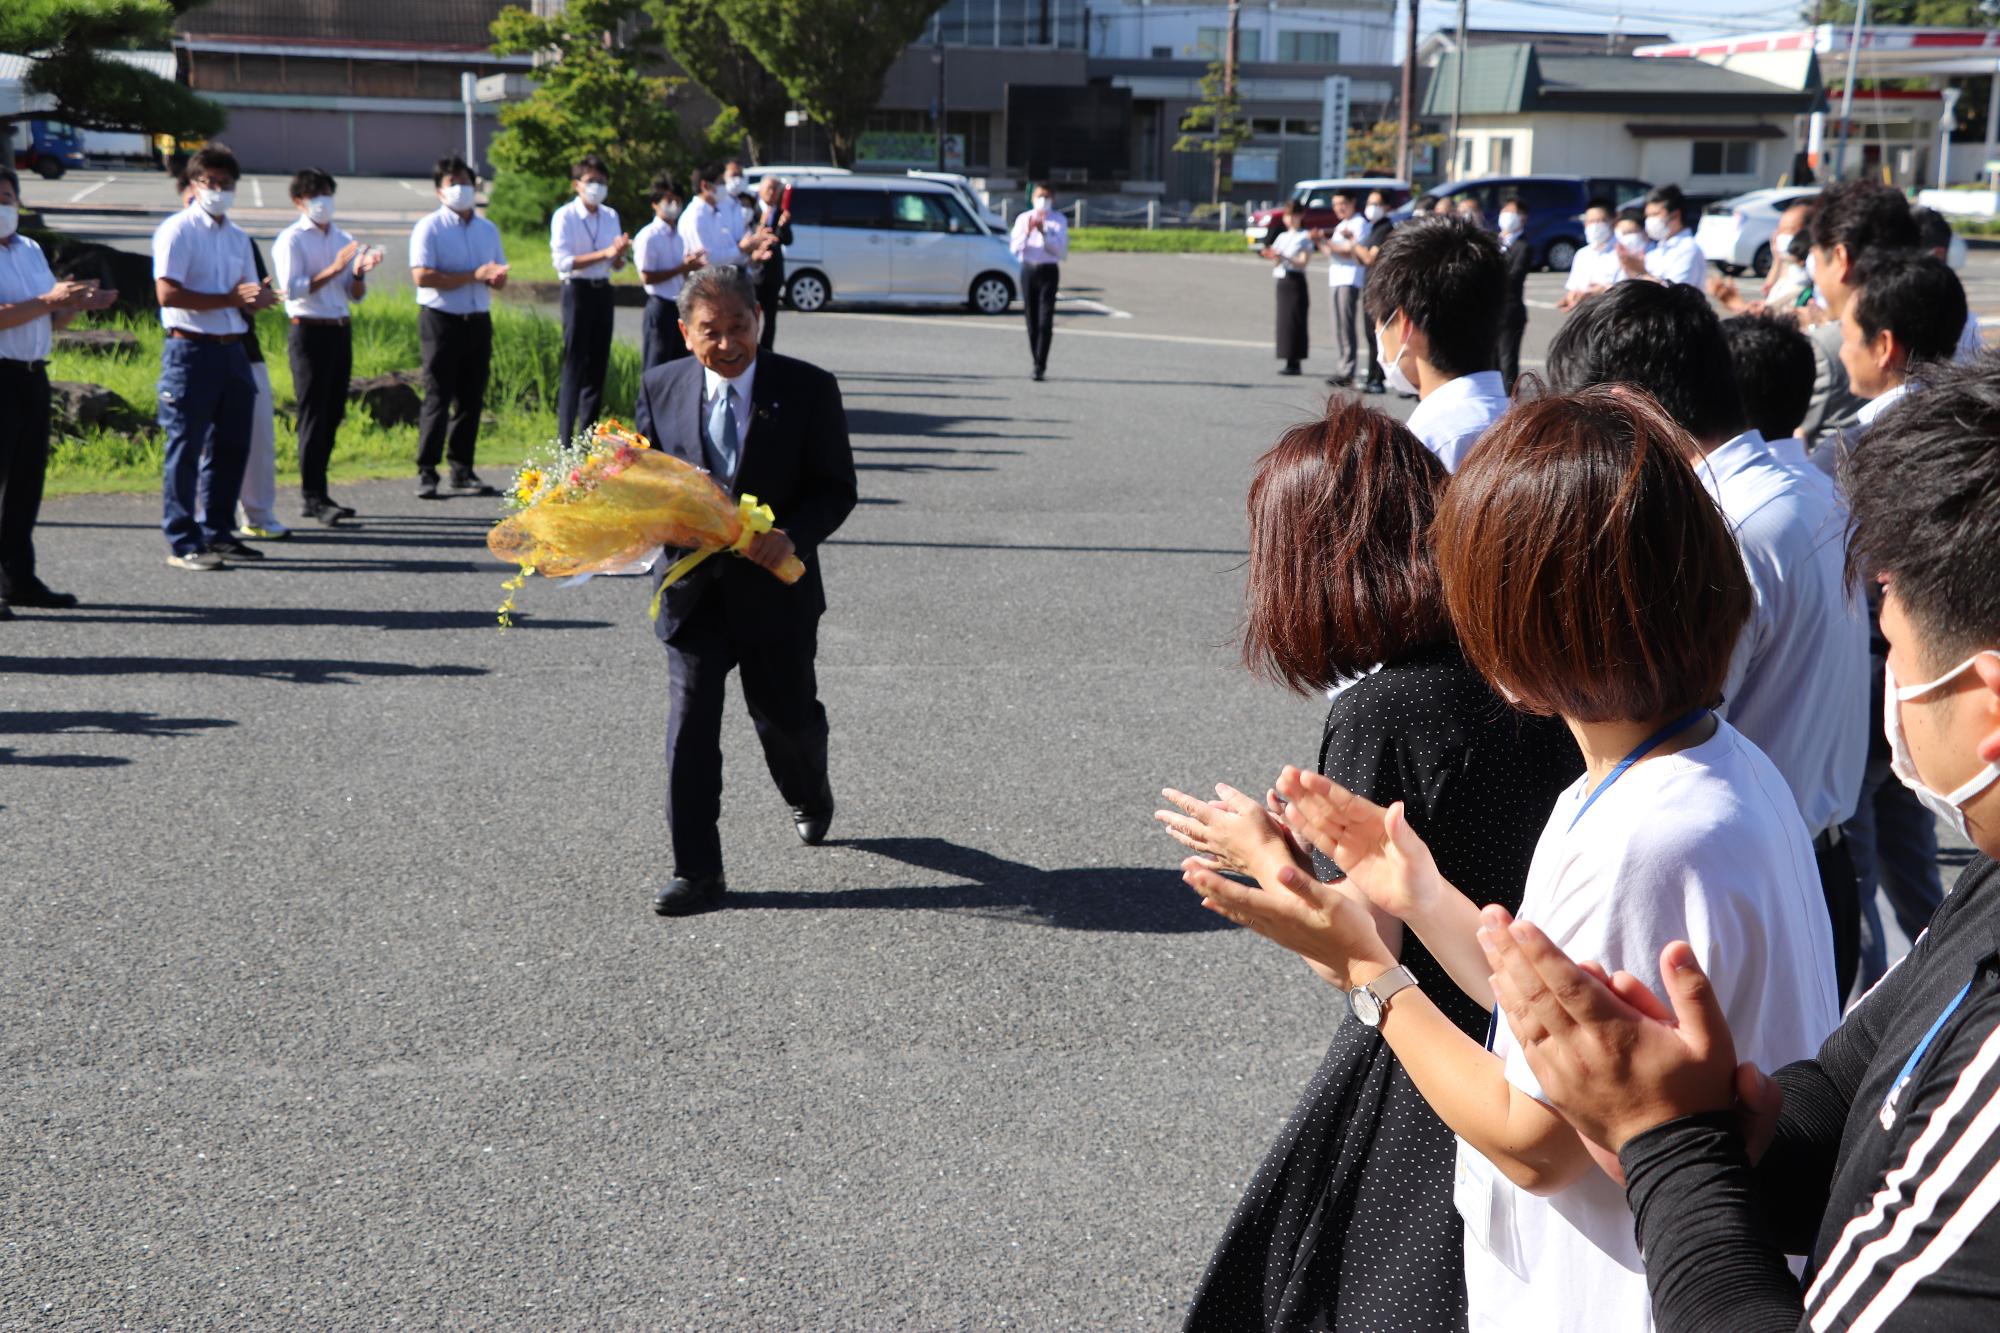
(1317, 196)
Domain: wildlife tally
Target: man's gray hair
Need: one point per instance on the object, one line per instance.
(716, 283)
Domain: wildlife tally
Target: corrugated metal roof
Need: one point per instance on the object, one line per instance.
(15, 68)
(459, 23)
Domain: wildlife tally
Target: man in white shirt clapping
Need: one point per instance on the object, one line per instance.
(1674, 257)
(321, 270)
(588, 246)
(664, 260)
(457, 263)
(1040, 240)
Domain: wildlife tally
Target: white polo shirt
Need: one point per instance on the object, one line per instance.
(1344, 270)
(449, 243)
(1451, 420)
(1678, 259)
(659, 246)
(206, 255)
(24, 275)
(301, 251)
(1595, 266)
(1798, 683)
(576, 229)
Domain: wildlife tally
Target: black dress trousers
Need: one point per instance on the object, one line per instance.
(322, 357)
(24, 459)
(457, 358)
(781, 691)
(660, 338)
(587, 314)
(1038, 296)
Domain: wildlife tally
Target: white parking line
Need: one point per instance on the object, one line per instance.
(256, 192)
(89, 190)
(1008, 326)
(1094, 307)
(411, 188)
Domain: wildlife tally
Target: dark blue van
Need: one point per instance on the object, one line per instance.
(1555, 207)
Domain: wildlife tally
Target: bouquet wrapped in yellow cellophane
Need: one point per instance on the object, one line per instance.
(610, 503)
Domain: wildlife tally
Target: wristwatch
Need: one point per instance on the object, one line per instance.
(1368, 1003)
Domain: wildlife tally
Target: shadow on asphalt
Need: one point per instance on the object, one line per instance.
(1065, 550)
(1125, 899)
(289, 671)
(939, 425)
(307, 616)
(105, 724)
(10, 758)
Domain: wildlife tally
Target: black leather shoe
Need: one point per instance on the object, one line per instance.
(41, 597)
(325, 513)
(468, 483)
(427, 485)
(231, 549)
(6, 611)
(812, 825)
(685, 897)
(337, 507)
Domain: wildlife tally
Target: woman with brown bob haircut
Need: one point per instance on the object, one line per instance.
(1349, 1222)
(1589, 576)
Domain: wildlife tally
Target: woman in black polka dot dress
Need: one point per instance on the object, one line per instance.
(1349, 1223)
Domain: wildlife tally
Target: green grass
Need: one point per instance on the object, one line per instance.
(1133, 240)
(528, 258)
(520, 398)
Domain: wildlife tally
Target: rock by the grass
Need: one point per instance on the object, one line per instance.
(75, 408)
(105, 342)
(392, 399)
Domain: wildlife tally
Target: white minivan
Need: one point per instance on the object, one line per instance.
(893, 239)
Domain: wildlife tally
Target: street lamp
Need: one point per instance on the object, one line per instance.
(937, 103)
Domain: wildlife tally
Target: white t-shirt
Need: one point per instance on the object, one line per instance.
(1341, 270)
(1594, 267)
(1704, 846)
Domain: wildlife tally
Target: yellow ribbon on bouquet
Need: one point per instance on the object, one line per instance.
(757, 519)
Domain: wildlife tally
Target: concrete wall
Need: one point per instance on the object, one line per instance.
(1366, 28)
(349, 143)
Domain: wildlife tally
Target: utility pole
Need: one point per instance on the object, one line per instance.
(1406, 123)
(1457, 93)
(937, 105)
(1225, 169)
(1847, 91)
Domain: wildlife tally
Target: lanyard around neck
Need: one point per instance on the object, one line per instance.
(1645, 747)
(1887, 1115)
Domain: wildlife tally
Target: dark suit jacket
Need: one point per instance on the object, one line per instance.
(772, 275)
(795, 459)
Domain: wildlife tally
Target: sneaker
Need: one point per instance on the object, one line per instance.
(427, 485)
(258, 532)
(1374, 386)
(199, 561)
(231, 549)
(468, 482)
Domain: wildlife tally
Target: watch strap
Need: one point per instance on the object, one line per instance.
(1385, 987)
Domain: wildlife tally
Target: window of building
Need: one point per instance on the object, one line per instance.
(1725, 157)
(1163, 53)
(1500, 155)
(1270, 125)
(1309, 48)
(1302, 129)
(1210, 43)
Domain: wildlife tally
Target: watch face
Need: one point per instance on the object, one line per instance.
(1362, 1003)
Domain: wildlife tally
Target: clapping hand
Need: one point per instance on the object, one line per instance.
(1328, 925)
(1232, 834)
(697, 259)
(254, 296)
(98, 298)
(1608, 1054)
(347, 253)
(1381, 854)
(369, 260)
(493, 275)
(619, 249)
(68, 294)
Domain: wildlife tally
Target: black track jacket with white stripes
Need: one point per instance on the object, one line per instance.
(1893, 1193)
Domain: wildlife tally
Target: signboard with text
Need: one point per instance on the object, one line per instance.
(912, 148)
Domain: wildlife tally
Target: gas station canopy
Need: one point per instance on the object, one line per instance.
(1885, 53)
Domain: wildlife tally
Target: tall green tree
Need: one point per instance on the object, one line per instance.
(830, 55)
(66, 41)
(1908, 13)
(699, 39)
(1215, 124)
(592, 95)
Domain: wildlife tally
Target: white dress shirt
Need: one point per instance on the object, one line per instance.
(1345, 270)
(1798, 681)
(1595, 266)
(1451, 420)
(24, 275)
(729, 207)
(449, 243)
(302, 251)
(577, 229)
(1833, 448)
(706, 226)
(659, 246)
(1678, 259)
(1050, 245)
(1970, 341)
(712, 386)
(206, 255)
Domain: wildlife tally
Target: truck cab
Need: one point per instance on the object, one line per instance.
(47, 147)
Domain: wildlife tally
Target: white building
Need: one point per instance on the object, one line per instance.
(1705, 128)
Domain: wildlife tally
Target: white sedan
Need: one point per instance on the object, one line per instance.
(1735, 234)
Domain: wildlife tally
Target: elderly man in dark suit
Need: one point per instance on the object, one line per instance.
(766, 425)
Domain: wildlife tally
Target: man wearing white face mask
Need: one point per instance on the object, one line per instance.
(206, 280)
(1674, 257)
(587, 245)
(457, 264)
(1878, 1156)
(663, 260)
(1375, 230)
(1520, 258)
(1434, 298)
(1596, 267)
(33, 304)
(321, 271)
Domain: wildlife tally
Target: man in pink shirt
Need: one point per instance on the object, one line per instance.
(1041, 242)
